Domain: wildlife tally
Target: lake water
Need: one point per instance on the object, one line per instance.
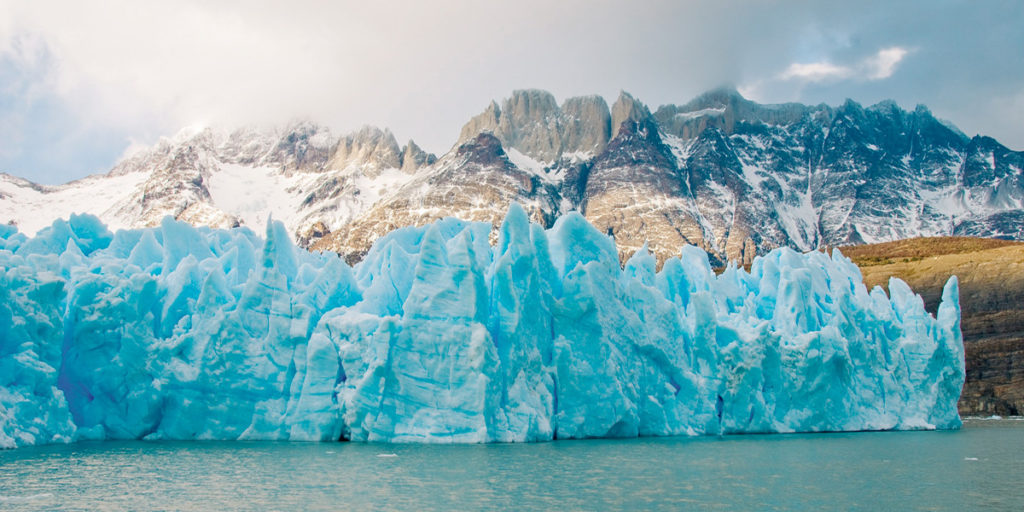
(979, 467)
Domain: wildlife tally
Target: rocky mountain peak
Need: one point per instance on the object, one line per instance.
(371, 147)
(484, 149)
(644, 130)
(725, 96)
(188, 145)
(413, 158)
(886, 106)
(486, 121)
(726, 173)
(530, 105)
(303, 145)
(850, 109)
(587, 125)
(724, 108)
(989, 163)
(627, 108)
(531, 122)
(923, 110)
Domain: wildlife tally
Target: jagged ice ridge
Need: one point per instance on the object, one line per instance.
(178, 332)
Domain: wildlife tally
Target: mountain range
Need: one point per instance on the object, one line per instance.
(727, 174)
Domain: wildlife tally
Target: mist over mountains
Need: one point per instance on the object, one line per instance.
(732, 176)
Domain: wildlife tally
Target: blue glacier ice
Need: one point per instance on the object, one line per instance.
(438, 335)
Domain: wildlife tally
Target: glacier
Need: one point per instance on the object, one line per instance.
(442, 334)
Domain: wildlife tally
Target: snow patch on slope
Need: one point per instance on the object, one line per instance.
(717, 111)
(32, 208)
(679, 148)
(541, 169)
(255, 193)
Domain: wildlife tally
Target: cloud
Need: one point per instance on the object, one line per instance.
(815, 72)
(101, 76)
(883, 64)
(25, 74)
(879, 66)
(422, 69)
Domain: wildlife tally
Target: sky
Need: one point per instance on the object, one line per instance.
(83, 84)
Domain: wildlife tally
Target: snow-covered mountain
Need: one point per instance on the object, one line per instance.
(301, 175)
(730, 175)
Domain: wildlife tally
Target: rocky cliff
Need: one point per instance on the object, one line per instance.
(732, 176)
(991, 275)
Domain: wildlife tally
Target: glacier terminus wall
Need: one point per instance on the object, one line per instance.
(176, 332)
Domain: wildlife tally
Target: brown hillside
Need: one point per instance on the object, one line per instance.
(991, 274)
(918, 248)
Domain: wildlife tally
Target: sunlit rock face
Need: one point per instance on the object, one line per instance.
(440, 335)
(729, 175)
(532, 123)
(477, 181)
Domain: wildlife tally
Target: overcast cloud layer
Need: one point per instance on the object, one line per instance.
(80, 84)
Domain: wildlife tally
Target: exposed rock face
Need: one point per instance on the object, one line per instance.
(993, 184)
(722, 108)
(413, 158)
(586, 126)
(725, 201)
(531, 122)
(627, 108)
(636, 193)
(752, 177)
(303, 146)
(371, 147)
(470, 180)
(300, 174)
(991, 275)
(722, 172)
(995, 377)
(178, 187)
(312, 235)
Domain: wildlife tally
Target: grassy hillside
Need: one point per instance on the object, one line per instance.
(991, 274)
(915, 249)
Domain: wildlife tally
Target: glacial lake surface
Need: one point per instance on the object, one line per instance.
(980, 467)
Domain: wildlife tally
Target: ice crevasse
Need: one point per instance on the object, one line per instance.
(178, 332)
